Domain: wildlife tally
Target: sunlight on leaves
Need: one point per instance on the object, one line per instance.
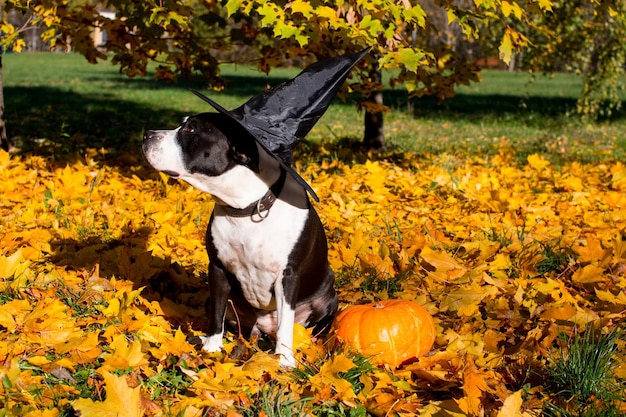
(103, 285)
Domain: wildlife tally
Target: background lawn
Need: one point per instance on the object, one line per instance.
(60, 104)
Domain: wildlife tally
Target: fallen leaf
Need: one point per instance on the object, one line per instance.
(512, 405)
(121, 400)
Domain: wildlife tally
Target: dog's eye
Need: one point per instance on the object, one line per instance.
(188, 129)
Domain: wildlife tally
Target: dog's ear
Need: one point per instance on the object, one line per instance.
(241, 157)
(242, 145)
(246, 155)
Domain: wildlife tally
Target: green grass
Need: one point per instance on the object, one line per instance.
(529, 114)
(59, 105)
(582, 377)
(274, 401)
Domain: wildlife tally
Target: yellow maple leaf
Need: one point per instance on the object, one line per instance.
(168, 345)
(82, 349)
(13, 313)
(301, 6)
(506, 47)
(589, 274)
(261, 364)
(329, 376)
(50, 323)
(112, 309)
(442, 408)
(557, 289)
(591, 251)
(124, 298)
(73, 179)
(563, 311)
(10, 372)
(512, 405)
(544, 4)
(506, 8)
(445, 266)
(466, 299)
(125, 355)
(13, 265)
(301, 336)
(537, 162)
(609, 297)
(305, 344)
(121, 400)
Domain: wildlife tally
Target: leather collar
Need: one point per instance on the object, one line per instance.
(261, 206)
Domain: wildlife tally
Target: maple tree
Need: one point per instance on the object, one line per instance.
(585, 37)
(102, 271)
(182, 37)
(418, 40)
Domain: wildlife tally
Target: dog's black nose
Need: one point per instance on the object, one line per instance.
(149, 138)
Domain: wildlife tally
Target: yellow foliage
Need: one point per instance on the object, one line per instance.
(102, 268)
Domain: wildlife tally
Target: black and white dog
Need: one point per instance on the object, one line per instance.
(266, 244)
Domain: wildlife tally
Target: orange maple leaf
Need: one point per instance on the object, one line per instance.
(474, 385)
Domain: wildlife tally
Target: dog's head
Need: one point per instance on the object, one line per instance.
(200, 145)
(212, 153)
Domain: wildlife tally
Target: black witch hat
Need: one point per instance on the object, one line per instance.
(282, 116)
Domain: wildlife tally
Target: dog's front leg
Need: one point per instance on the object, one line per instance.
(285, 291)
(215, 308)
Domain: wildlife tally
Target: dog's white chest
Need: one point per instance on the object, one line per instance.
(257, 251)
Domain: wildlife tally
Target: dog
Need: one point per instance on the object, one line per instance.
(266, 244)
(268, 253)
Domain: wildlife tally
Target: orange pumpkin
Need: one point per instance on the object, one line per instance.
(389, 331)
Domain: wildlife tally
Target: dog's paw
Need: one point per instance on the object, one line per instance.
(287, 360)
(212, 343)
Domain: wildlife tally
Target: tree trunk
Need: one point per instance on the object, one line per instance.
(373, 136)
(4, 141)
